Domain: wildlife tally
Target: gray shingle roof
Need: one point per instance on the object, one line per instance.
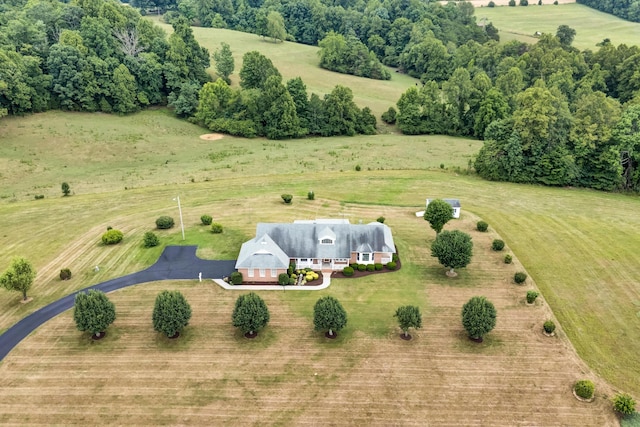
(261, 252)
(278, 242)
(455, 203)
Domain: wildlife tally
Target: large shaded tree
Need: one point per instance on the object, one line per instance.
(250, 314)
(438, 213)
(171, 313)
(19, 276)
(329, 315)
(453, 249)
(408, 316)
(478, 317)
(93, 312)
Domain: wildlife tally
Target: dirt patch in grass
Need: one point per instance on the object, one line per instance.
(211, 136)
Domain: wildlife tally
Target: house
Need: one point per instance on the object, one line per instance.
(455, 204)
(321, 244)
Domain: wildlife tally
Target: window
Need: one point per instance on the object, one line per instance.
(263, 273)
(366, 257)
(250, 272)
(326, 242)
(273, 272)
(304, 260)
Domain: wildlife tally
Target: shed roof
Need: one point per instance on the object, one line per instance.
(455, 203)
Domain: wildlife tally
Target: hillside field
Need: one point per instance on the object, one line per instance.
(578, 246)
(592, 26)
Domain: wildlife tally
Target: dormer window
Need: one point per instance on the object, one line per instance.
(326, 241)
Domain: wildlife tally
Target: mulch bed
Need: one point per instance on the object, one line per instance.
(331, 337)
(336, 275)
(405, 337)
(98, 337)
(251, 335)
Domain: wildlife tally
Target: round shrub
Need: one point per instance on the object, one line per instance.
(236, 278)
(508, 259)
(512, 3)
(109, 227)
(549, 326)
(283, 279)
(520, 277)
(378, 266)
(381, 219)
(112, 237)
(358, 168)
(206, 219)
(216, 228)
(311, 195)
(361, 267)
(371, 267)
(391, 265)
(482, 226)
(531, 296)
(65, 274)
(624, 404)
(524, 2)
(292, 281)
(584, 389)
(287, 198)
(389, 116)
(348, 271)
(497, 245)
(164, 222)
(491, 4)
(150, 239)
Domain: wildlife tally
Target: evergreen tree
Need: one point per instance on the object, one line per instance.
(224, 62)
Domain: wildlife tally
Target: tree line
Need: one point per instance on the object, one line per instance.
(625, 9)
(384, 27)
(549, 114)
(92, 55)
(264, 105)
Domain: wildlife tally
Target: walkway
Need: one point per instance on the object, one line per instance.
(326, 281)
(175, 263)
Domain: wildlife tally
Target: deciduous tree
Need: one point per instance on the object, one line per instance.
(408, 316)
(250, 313)
(19, 276)
(93, 312)
(329, 315)
(478, 317)
(438, 213)
(171, 313)
(453, 249)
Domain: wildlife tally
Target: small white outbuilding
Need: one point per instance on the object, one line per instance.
(455, 204)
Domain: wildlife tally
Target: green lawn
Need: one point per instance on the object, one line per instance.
(578, 245)
(592, 26)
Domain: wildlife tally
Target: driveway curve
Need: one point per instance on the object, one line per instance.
(175, 263)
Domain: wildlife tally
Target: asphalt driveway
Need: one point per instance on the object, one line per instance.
(175, 263)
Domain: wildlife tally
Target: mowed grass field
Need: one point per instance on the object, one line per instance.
(579, 246)
(291, 375)
(592, 26)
